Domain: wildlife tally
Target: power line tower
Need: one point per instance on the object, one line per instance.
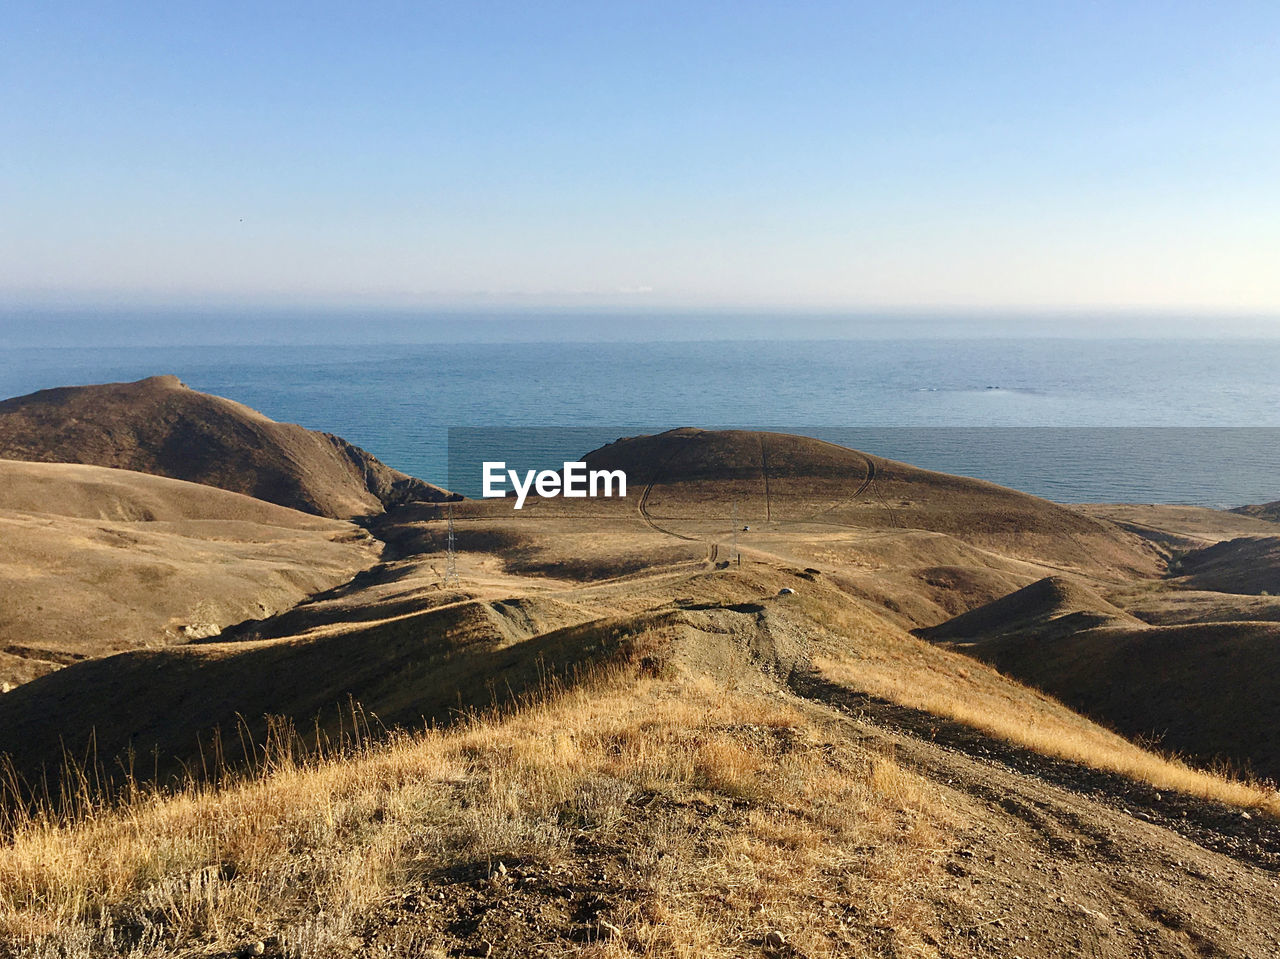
(733, 518)
(451, 559)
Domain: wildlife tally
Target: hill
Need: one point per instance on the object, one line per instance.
(96, 560)
(1207, 690)
(555, 583)
(1048, 608)
(1266, 511)
(688, 480)
(1179, 528)
(1189, 661)
(1176, 607)
(160, 426)
(730, 770)
(691, 721)
(1245, 565)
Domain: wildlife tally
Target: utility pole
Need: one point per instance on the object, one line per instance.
(733, 518)
(451, 560)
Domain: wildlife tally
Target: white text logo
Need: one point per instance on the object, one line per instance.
(575, 481)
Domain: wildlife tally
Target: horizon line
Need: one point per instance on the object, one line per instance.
(869, 311)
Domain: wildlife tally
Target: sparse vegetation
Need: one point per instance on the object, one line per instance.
(974, 694)
(731, 777)
(727, 818)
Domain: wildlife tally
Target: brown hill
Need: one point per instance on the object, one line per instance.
(1246, 565)
(1048, 608)
(716, 792)
(160, 426)
(1190, 660)
(741, 757)
(401, 669)
(407, 650)
(1179, 528)
(687, 482)
(1208, 690)
(96, 560)
(1265, 511)
(1178, 607)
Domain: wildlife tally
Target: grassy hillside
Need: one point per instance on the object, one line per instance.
(674, 803)
(692, 722)
(95, 561)
(160, 426)
(650, 815)
(1207, 690)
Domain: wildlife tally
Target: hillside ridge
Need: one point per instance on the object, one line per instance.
(159, 425)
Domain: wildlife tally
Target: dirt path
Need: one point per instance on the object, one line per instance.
(857, 494)
(1059, 860)
(643, 507)
(1041, 865)
(866, 486)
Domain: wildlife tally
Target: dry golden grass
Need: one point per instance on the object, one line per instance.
(887, 663)
(734, 816)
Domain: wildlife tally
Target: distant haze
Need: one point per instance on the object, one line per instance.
(227, 327)
(651, 157)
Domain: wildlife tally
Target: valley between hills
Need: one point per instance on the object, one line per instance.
(784, 699)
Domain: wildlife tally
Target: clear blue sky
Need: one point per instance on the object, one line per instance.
(642, 155)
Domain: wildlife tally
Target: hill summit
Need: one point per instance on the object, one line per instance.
(159, 425)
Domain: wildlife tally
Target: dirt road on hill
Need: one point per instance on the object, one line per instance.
(1057, 860)
(1046, 860)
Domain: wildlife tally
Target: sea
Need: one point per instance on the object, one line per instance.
(1076, 420)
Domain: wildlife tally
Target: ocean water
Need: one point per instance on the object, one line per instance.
(1075, 420)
